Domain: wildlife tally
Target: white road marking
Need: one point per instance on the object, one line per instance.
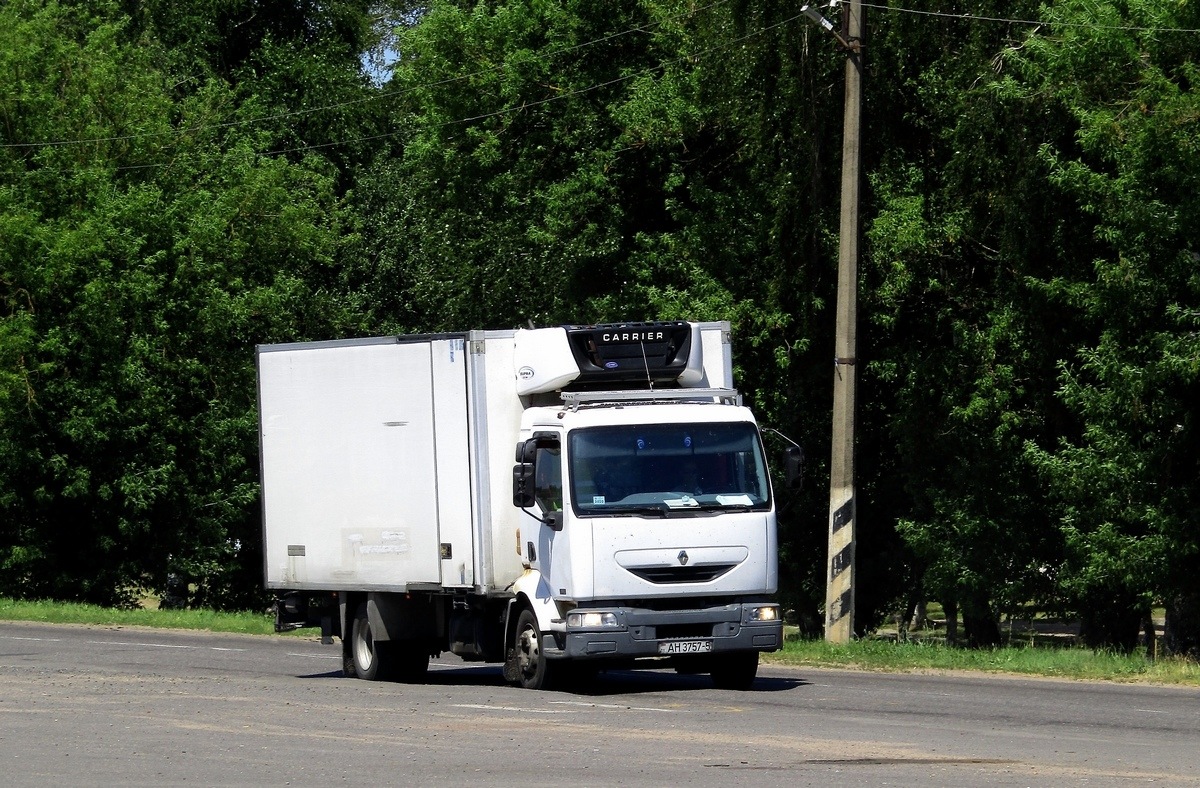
(616, 706)
(121, 643)
(140, 645)
(487, 707)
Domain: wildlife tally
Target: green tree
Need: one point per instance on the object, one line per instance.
(957, 350)
(147, 245)
(1033, 289)
(1127, 482)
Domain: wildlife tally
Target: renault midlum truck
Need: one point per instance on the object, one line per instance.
(558, 500)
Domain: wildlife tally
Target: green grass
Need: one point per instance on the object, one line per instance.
(1068, 662)
(876, 655)
(77, 613)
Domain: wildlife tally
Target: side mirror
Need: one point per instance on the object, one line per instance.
(793, 467)
(523, 485)
(527, 451)
(524, 472)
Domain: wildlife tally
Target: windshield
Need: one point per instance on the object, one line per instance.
(662, 468)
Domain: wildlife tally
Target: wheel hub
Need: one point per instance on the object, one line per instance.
(528, 652)
(364, 652)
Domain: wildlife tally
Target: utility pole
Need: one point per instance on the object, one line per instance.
(839, 593)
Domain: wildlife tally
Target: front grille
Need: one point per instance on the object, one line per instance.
(682, 574)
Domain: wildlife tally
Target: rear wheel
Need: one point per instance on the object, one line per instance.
(734, 671)
(534, 671)
(372, 660)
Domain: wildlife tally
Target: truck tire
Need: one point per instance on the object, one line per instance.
(534, 671)
(735, 670)
(372, 659)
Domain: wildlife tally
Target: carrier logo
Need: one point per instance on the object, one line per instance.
(634, 336)
(683, 557)
(525, 373)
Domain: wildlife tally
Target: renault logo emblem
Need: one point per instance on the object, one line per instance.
(683, 557)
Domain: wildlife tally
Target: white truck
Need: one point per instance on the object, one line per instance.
(559, 500)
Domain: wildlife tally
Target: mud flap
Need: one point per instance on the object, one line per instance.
(512, 673)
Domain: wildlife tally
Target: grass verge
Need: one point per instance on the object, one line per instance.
(877, 655)
(1069, 663)
(78, 613)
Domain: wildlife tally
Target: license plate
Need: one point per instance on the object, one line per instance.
(685, 647)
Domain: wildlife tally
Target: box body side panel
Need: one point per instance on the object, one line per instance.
(496, 425)
(454, 465)
(350, 494)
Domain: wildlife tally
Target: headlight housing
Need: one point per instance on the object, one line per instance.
(591, 619)
(763, 613)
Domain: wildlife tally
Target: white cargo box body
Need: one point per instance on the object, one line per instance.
(386, 463)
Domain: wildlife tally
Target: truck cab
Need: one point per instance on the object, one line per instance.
(650, 530)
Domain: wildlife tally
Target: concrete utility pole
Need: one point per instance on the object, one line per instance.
(839, 594)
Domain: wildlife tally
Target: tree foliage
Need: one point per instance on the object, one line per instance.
(1127, 481)
(180, 181)
(1041, 266)
(147, 247)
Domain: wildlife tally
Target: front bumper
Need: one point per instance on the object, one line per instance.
(640, 632)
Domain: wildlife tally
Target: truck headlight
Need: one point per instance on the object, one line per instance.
(765, 613)
(590, 620)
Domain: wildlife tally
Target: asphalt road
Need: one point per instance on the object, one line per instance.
(108, 706)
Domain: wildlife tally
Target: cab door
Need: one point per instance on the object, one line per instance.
(551, 553)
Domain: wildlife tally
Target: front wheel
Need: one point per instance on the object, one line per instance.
(534, 671)
(735, 670)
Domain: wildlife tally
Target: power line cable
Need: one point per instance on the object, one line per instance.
(340, 105)
(961, 16)
(597, 86)
(969, 17)
(691, 57)
(705, 53)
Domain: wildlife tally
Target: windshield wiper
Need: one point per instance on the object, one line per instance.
(653, 509)
(716, 506)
